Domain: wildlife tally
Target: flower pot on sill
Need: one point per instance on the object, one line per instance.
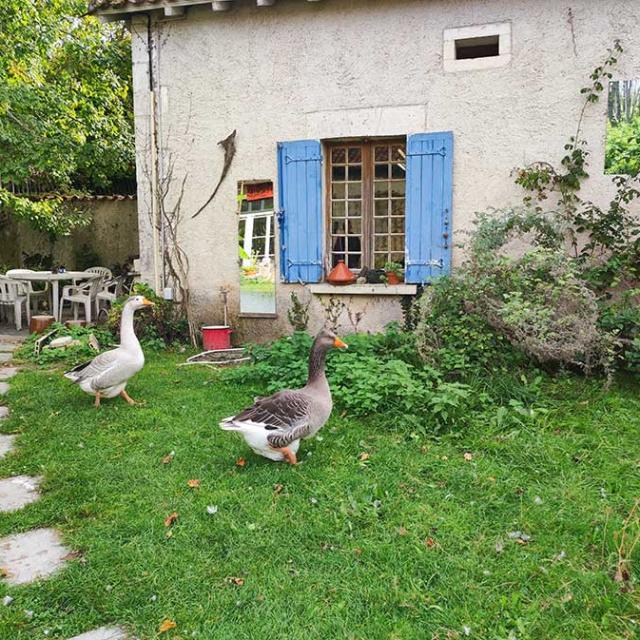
(341, 275)
(392, 278)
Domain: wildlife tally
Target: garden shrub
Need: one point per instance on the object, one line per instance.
(379, 374)
(161, 326)
(71, 355)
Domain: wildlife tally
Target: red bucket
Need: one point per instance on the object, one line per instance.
(215, 338)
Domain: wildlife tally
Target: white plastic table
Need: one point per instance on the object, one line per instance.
(54, 279)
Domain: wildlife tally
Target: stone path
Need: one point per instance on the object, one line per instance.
(37, 554)
(25, 557)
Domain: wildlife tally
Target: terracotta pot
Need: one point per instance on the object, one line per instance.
(392, 278)
(341, 274)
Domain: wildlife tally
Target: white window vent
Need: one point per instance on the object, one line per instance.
(478, 47)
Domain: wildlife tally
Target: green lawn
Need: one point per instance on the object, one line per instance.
(409, 543)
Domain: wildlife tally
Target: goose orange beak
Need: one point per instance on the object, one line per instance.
(339, 344)
(148, 303)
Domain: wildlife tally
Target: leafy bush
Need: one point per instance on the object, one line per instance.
(156, 328)
(71, 355)
(379, 374)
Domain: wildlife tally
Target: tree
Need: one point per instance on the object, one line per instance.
(65, 107)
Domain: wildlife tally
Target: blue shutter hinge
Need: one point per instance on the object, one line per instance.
(303, 263)
(426, 263)
(289, 159)
(441, 152)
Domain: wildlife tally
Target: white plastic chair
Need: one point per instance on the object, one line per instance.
(12, 296)
(76, 295)
(33, 295)
(109, 292)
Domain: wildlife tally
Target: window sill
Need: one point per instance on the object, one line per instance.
(364, 289)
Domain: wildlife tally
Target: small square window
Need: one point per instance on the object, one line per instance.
(483, 47)
(477, 47)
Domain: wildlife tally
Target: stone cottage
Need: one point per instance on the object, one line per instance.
(367, 131)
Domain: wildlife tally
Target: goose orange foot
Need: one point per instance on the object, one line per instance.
(127, 397)
(289, 456)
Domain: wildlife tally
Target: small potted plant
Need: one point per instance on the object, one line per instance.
(393, 272)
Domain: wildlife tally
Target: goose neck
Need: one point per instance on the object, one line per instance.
(127, 334)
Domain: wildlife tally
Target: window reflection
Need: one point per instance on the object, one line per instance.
(256, 239)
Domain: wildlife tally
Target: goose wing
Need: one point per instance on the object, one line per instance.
(102, 371)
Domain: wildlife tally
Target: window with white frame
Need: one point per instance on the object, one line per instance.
(477, 47)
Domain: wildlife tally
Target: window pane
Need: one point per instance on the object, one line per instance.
(397, 153)
(398, 171)
(381, 208)
(338, 155)
(397, 225)
(381, 153)
(381, 189)
(355, 209)
(397, 243)
(397, 188)
(354, 243)
(339, 174)
(260, 226)
(355, 172)
(382, 171)
(355, 155)
(355, 226)
(337, 226)
(355, 190)
(397, 207)
(338, 209)
(381, 243)
(355, 261)
(379, 260)
(338, 191)
(398, 257)
(382, 225)
(258, 246)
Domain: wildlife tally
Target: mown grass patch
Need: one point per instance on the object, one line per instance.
(380, 532)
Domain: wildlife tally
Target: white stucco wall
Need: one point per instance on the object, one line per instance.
(363, 68)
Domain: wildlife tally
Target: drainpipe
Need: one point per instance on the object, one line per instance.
(156, 223)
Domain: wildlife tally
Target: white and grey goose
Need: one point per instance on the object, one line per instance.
(274, 426)
(106, 376)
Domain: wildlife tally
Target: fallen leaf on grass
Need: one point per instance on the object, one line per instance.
(364, 456)
(73, 555)
(468, 456)
(357, 551)
(430, 542)
(402, 531)
(193, 484)
(167, 625)
(277, 488)
(170, 519)
(235, 580)
(240, 462)
(168, 458)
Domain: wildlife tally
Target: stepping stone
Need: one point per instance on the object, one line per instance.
(8, 372)
(4, 387)
(25, 557)
(103, 633)
(4, 412)
(8, 347)
(18, 492)
(5, 357)
(6, 444)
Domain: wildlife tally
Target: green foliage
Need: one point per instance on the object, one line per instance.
(449, 336)
(71, 355)
(298, 313)
(162, 326)
(393, 267)
(622, 154)
(379, 374)
(65, 105)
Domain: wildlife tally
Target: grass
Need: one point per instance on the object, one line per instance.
(410, 541)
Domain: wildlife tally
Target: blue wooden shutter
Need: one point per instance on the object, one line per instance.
(300, 215)
(428, 209)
